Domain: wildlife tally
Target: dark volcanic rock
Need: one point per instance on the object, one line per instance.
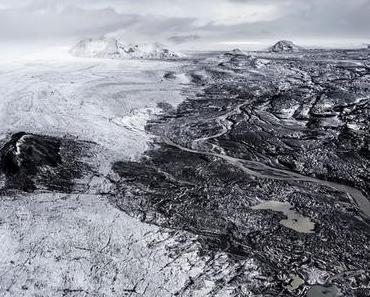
(262, 128)
(30, 162)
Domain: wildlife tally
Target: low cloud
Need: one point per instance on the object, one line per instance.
(182, 21)
(22, 24)
(179, 39)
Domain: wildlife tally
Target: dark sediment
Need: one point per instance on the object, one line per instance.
(257, 127)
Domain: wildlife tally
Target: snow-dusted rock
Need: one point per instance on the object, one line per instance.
(285, 46)
(149, 51)
(108, 47)
(98, 48)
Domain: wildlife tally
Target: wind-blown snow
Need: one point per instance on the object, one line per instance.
(80, 245)
(68, 244)
(105, 101)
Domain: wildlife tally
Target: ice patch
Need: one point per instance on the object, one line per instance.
(294, 220)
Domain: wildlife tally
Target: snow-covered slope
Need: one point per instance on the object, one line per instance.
(285, 46)
(107, 47)
(97, 48)
(85, 244)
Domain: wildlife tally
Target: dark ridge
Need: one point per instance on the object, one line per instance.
(170, 75)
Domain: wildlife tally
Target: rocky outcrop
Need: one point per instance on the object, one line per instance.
(30, 162)
(285, 46)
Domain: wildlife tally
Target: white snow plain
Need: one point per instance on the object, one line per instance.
(100, 100)
(54, 244)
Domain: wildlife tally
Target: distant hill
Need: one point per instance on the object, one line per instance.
(107, 47)
(285, 46)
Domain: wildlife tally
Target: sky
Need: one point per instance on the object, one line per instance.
(187, 22)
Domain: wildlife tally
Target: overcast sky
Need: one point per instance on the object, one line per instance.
(185, 21)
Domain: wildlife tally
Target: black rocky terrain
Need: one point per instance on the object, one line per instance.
(292, 129)
(30, 162)
(264, 127)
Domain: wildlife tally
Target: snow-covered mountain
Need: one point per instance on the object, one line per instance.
(108, 47)
(285, 46)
